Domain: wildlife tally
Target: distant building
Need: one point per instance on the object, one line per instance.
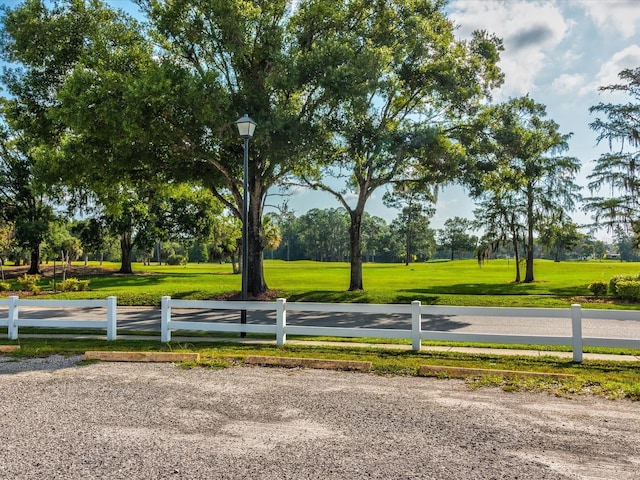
(612, 256)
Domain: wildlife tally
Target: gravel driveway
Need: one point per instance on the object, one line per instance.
(157, 421)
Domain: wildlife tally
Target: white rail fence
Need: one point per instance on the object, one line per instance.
(13, 320)
(280, 329)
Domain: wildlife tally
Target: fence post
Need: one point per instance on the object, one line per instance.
(12, 321)
(576, 332)
(281, 322)
(112, 319)
(165, 318)
(416, 326)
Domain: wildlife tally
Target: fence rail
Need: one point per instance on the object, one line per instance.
(13, 320)
(280, 329)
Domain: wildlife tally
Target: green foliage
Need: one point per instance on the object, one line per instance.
(73, 285)
(559, 234)
(398, 63)
(120, 108)
(628, 290)
(613, 282)
(598, 288)
(29, 283)
(618, 125)
(177, 260)
(526, 181)
(417, 238)
(455, 237)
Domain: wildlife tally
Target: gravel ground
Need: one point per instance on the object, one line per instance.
(157, 421)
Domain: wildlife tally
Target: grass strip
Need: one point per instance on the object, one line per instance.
(461, 372)
(615, 380)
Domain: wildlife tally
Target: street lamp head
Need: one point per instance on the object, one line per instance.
(246, 126)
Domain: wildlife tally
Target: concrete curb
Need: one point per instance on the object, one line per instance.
(106, 356)
(9, 348)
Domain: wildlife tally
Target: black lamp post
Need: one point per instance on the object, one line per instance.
(246, 127)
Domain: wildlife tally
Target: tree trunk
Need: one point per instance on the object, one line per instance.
(516, 257)
(126, 247)
(528, 277)
(34, 266)
(355, 248)
(255, 281)
(407, 257)
(64, 265)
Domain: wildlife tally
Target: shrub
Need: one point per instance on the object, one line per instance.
(29, 283)
(4, 287)
(74, 285)
(177, 260)
(613, 283)
(599, 288)
(628, 290)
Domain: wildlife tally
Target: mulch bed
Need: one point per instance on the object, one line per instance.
(46, 271)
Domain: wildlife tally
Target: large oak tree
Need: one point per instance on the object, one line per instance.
(259, 58)
(411, 84)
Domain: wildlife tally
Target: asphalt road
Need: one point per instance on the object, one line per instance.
(148, 319)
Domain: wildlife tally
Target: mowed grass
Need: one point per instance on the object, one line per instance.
(462, 282)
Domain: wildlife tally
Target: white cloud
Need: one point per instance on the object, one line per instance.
(296, 190)
(568, 83)
(608, 74)
(530, 32)
(618, 16)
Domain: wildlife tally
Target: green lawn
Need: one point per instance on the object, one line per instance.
(460, 282)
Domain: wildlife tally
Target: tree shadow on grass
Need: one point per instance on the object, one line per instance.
(510, 288)
(331, 296)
